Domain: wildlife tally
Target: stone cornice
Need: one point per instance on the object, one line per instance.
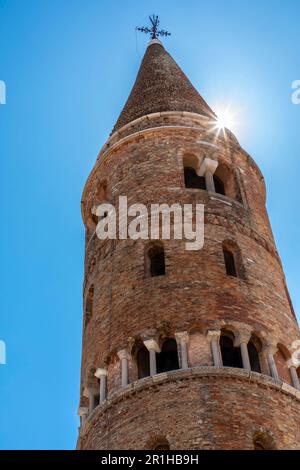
(150, 117)
(200, 373)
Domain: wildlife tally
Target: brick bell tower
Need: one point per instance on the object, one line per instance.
(184, 349)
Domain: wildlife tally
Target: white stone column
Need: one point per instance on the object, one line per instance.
(209, 181)
(182, 339)
(270, 350)
(242, 341)
(101, 374)
(124, 357)
(153, 348)
(214, 338)
(207, 169)
(83, 412)
(294, 375)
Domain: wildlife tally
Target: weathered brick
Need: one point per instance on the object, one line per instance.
(204, 407)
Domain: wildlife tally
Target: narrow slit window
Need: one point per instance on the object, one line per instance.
(229, 263)
(155, 261)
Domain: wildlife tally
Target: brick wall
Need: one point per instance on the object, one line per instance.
(197, 410)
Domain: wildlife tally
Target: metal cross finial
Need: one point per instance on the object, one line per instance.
(154, 30)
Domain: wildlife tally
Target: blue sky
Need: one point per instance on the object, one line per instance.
(68, 67)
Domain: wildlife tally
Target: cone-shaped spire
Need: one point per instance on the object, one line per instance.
(161, 86)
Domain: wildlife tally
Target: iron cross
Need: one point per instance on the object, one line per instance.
(154, 30)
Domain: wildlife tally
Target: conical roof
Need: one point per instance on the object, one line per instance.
(160, 86)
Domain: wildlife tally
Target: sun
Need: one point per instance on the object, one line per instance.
(226, 119)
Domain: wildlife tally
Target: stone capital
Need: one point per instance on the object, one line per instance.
(151, 344)
(243, 337)
(83, 411)
(182, 337)
(207, 165)
(123, 354)
(213, 335)
(100, 373)
(270, 349)
(293, 363)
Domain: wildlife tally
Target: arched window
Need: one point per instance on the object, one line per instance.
(253, 348)
(263, 441)
(89, 305)
(231, 355)
(155, 261)
(192, 180)
(233, 259)
(143, 362)
(159, 444)
(167, 359)
(226, 182)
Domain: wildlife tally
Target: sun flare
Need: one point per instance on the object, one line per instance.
(226, 119)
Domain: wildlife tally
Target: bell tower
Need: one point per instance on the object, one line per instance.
(184, 349)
